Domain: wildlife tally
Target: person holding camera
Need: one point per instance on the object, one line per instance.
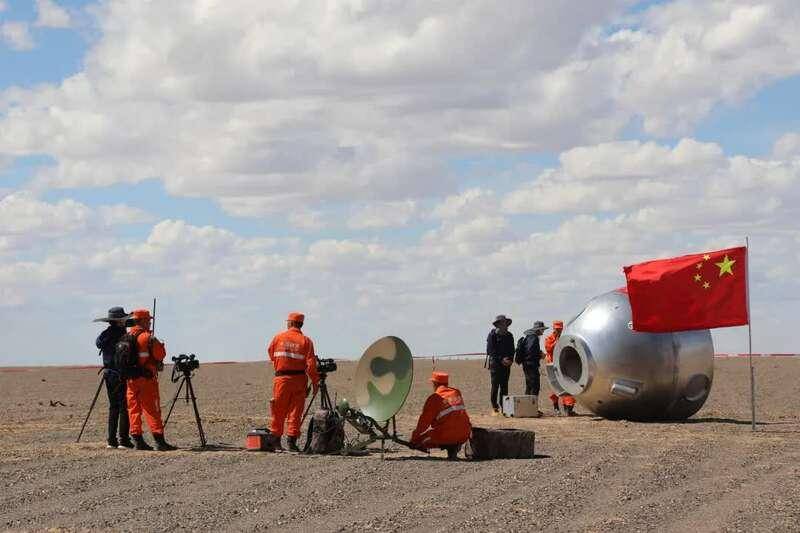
(115, 382)
(292, 356)
(143, 396)
(500, 357)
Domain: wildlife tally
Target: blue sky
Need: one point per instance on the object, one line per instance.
(441, 210)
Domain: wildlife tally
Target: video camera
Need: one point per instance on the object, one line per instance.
(326, 366)
(185, 364)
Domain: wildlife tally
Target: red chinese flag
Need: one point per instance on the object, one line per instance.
(691, 292)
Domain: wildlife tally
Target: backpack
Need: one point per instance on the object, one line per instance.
(126, 356)
(325, 432)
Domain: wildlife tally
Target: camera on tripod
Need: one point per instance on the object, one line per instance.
(326, 366)
(182, 372)
(186, 363)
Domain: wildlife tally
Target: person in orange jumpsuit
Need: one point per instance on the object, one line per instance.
(142, 394)
(567, 400)
(292, 355)
(444, 422)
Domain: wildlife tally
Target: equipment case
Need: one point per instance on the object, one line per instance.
(521, 406)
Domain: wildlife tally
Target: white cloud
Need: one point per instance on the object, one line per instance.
(26, 222)
(344, 102)
(787, 146)
(17, 35)
(467, 203)
(692, 185)
(383, 215)
(51, 15)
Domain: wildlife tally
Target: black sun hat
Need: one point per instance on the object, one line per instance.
(501, 318)
(115, 313)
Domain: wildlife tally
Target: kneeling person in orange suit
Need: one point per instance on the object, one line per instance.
(142, 395)
(567, 400)
(292, 355)
(444, 422)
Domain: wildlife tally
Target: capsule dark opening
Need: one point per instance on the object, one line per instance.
(569, 361)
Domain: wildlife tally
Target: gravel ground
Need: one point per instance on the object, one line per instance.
(710, 473)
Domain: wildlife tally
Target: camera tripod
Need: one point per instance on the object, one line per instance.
(186, 379)
(324, 397)
(94, 401)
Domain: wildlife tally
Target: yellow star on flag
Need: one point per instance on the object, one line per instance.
(726, 266)
(698, 277)
(706, 285)
(698, 266)
(706, 257)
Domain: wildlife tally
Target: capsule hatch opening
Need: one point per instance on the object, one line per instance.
(571, 365)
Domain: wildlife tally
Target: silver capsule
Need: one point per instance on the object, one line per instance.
(616, 372)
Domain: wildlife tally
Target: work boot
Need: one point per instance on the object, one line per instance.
(161, 444)
(292, 444)
(452, 452)
(275, 442)
(124, 443)
(140, 443)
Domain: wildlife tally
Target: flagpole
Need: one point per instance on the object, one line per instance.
(750, 340)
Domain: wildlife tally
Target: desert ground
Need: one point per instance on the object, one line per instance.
(710, 473)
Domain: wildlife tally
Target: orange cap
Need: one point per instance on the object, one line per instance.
(440, 377)
(558, 324)
(140, 314)
(296, 317)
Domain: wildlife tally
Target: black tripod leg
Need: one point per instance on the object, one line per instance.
(313, 397)
(91, 407)
(174, 399)
(190, 390)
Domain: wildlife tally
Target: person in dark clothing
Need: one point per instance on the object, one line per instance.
(528, 355)
(115, 384)
(499, 358)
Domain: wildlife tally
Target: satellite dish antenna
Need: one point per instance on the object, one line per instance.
(383, 378)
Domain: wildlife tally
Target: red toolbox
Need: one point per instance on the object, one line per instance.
(258, 439)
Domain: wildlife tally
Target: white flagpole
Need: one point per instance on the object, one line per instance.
(750, 339)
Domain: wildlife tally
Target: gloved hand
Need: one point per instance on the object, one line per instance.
(160, 366)
(507, 361)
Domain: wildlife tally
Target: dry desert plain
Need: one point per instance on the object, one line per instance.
(710, 473)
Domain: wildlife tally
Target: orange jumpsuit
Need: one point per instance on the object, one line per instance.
(142, 394)
(444, 420)
(292, 355)
(549, 345)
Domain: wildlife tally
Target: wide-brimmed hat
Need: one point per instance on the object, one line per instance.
(501, 318)
(114, 314)
(539, 326)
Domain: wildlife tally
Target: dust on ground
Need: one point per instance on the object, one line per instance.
(710, 473)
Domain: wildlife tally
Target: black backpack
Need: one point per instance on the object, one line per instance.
(126, 356)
